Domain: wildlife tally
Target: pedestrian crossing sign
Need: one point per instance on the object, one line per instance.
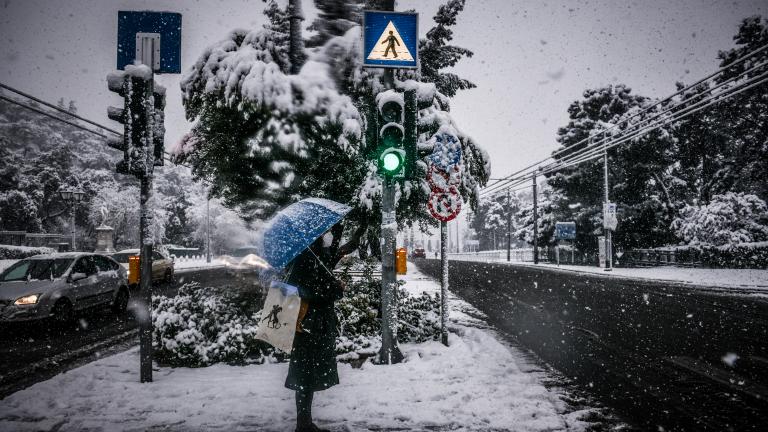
(390, 39)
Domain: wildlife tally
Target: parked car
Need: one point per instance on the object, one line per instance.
(56, 285)
(162, 265)
(419, 253)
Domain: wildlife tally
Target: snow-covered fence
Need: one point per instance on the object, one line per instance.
(517, 254)
(743, 255)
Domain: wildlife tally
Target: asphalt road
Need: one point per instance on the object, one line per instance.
(663, 355)
(33, 352)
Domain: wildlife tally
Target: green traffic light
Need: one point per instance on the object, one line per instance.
(391, 162)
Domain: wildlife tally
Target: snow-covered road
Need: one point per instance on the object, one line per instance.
(477, 384)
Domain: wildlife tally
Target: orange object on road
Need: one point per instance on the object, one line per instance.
(134, 269)
(400, 261)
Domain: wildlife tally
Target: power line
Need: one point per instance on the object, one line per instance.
(609, 144)
(596, 148)
(523, 172)
(167, 155)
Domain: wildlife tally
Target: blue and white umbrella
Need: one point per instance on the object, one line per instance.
(297, 226)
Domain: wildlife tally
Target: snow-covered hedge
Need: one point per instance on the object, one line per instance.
(201, 326)
(20, 252)
(730, 218)
(359, 312)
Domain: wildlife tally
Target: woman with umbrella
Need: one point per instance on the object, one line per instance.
(298, 239)
(313, 358)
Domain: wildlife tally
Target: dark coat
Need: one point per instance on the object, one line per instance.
(313, 358)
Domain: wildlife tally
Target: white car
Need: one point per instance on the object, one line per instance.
(162, 265)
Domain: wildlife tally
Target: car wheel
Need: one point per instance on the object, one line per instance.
(63, 312)
(168, 276)
(121, 301)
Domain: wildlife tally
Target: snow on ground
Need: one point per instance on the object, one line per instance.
(475, 384)
(721, 278)
(196, 262)
(696, 276)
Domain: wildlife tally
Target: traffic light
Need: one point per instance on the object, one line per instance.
(391, 154)
(133, 88)
(158, 123)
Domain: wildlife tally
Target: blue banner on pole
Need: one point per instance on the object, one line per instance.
(390, 39)
(165, 26)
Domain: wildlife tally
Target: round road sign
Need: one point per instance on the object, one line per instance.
(445, 206)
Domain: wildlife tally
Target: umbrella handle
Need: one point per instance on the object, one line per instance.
(321, 262)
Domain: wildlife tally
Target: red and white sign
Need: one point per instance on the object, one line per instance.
(444, 206)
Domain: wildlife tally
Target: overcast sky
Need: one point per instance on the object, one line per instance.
(532, 58)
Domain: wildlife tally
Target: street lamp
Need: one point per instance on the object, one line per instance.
(72, 197)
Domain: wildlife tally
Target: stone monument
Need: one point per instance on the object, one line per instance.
(104, 241)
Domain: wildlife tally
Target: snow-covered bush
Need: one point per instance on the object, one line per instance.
(728, 219)
(202, 326)
(359, 312)
(20, 252)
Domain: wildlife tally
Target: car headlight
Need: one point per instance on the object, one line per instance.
(27, 300)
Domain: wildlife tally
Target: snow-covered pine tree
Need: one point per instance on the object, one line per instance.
(437, 55)
(335, 17)
(265, 138)
(638, 173)
(743, 119)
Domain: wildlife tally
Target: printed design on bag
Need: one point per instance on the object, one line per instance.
(274, 320)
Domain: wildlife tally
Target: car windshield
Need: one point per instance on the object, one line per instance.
(36, 269)
(123, 257)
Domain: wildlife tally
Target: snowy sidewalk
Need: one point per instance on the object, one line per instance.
(476, 384)
(719, 278)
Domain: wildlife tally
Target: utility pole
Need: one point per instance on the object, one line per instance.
(208, 230)
(509, 225)
(608, 251)
(535, 223)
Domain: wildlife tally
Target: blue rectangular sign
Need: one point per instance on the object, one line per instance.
(166, 24)
(390, 39)
(565, 230)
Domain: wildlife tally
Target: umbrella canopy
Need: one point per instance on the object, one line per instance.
(297, 226)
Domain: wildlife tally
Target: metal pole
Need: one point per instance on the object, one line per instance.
(144, 315)
(72, 224)
(608, 251)
(390, 352)
(444, 282)
(535, 224)
(509, 225)
(208, 230)
(458, 246)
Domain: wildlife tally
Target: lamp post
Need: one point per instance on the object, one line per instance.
(72, 197)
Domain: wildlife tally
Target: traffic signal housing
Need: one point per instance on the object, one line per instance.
(390, 151)
(135, 118)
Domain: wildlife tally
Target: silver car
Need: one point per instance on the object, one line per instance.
(57, 285)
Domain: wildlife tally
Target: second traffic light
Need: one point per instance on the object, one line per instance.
(142, 142)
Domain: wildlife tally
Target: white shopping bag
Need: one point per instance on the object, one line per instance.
(278, 318)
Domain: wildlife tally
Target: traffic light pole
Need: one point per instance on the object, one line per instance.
(146, 240)
(390, 352)
(145, 282)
